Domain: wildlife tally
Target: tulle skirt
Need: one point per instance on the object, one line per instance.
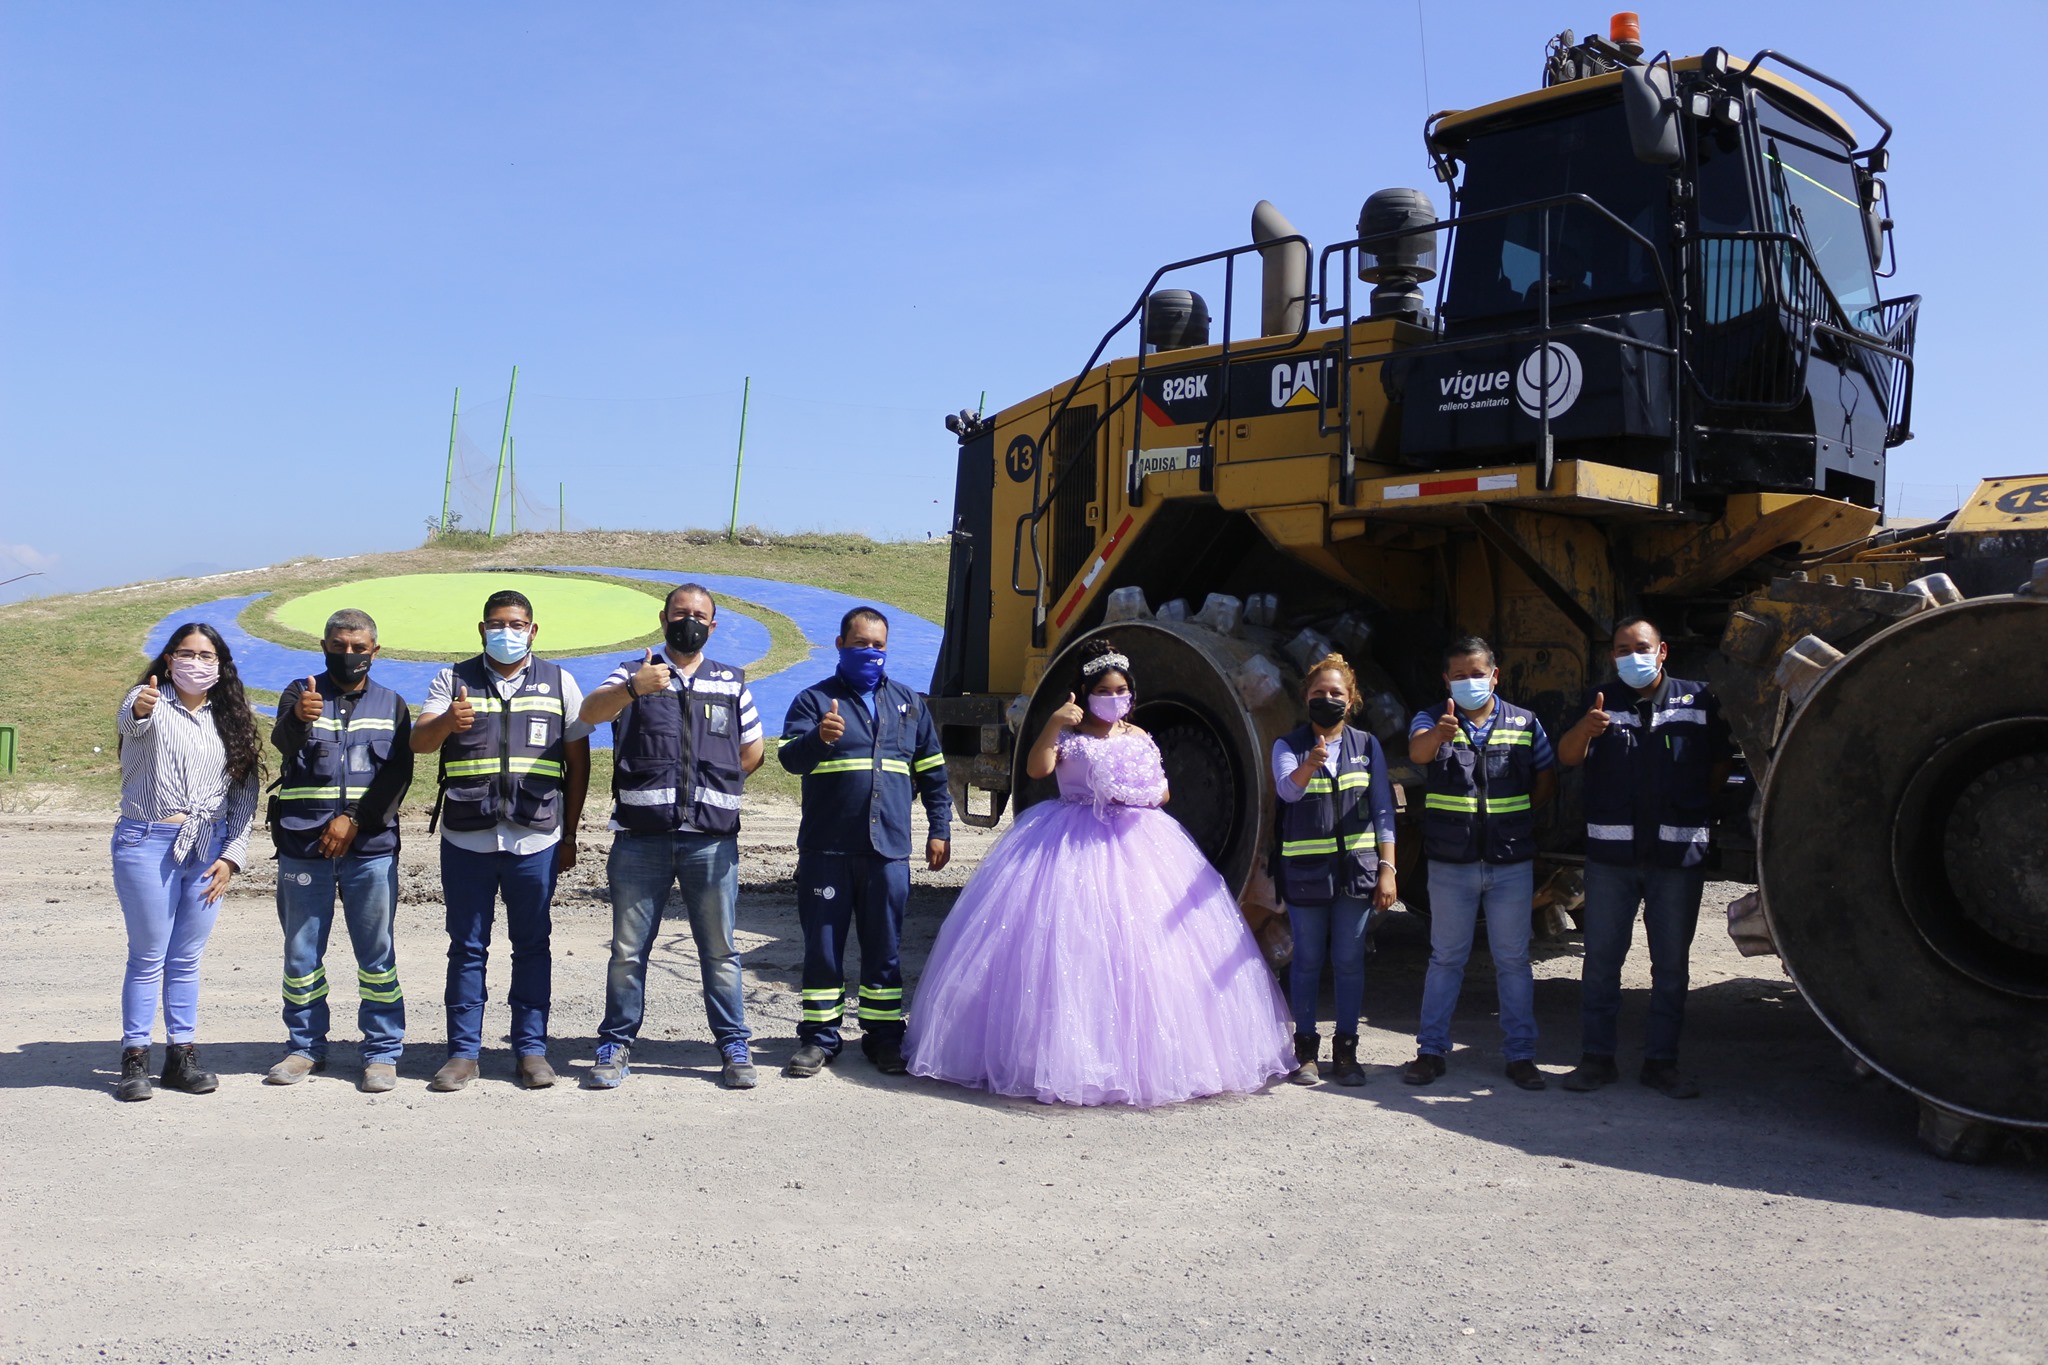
(1097, 960)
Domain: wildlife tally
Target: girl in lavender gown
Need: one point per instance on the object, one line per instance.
(1096, 957)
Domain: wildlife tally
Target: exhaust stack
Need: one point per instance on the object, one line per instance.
(1283, 306)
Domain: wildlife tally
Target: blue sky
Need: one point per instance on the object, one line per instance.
(248, 251)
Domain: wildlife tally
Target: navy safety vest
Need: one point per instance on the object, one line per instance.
(666, 771)
(1329, 846)
(509, 764)
(1658, 781)
(1477, 809)
(334, 767)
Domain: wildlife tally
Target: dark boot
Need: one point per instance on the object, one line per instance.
(181, 1071)
(1344, 1051)
(134, 1075)
(1306, 1048)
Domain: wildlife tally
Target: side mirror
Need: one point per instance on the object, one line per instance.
(1647, 100)
(1875, 224)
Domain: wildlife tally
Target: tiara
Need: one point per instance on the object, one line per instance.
(1103, 662)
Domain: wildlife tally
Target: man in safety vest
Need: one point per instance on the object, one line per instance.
(1490, 766)
(685, 737)
(515, 764)
(1656, 751)
(345, 744)
(862, 743)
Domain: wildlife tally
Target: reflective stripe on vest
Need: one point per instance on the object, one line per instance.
(334, 766)
(1328, 844)
(502, 768)
(1659, 776)
(677, 755)
(1478, 807)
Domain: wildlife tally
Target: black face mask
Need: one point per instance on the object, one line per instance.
(1327, 711)
(347, 669)
(686, 634)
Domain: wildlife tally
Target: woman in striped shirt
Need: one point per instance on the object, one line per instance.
(190, 769)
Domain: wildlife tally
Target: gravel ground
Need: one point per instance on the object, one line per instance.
(1786, 1216)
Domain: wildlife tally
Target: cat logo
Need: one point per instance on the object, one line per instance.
(1296, 383)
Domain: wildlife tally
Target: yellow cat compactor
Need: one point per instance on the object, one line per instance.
(1653, 371)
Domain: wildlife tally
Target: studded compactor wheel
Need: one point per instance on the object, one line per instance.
(1904, 856)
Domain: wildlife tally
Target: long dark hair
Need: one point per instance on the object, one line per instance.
(232, 719)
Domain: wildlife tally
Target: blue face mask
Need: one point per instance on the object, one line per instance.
(1471, 693)
(1638, 670)
(862, 668)
(506, 646)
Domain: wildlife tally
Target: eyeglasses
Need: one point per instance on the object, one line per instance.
(193, 656)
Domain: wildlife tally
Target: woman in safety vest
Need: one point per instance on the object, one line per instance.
(1334, 864)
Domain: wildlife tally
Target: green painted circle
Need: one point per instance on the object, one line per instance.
(437, 613)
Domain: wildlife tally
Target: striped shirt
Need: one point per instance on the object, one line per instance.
(173, 763)
(678, 681)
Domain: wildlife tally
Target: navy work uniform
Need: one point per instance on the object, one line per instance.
(1649, 806)
(853, 846)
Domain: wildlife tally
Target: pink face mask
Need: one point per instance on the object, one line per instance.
(193, 676)
(1111, 708)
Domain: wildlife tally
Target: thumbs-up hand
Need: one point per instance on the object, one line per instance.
(464, 713)
(1069, 714)
(650, 677)
(1597, 721)
(1446, 728)
(308, 709)
(147, 698)
(831, 725)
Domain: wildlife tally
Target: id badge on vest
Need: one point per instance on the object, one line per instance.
(359, 759)
(718, 719)
(537, 733)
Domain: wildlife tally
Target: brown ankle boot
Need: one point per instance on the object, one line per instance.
(181, 1071)
(1344, 1051)
(1306, 1047)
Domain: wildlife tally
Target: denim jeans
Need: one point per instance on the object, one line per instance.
(368, 887)
(169, 921)
(1457, 891)
(867, 893)
(471, 884)
(1333, 933)
(1670, 897)
(642, 869)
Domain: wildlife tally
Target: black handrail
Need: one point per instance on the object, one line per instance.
(1771, 54)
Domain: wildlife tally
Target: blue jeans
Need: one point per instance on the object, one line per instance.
(642, 868)
(1670, 897)
(368, 887)
(169, 922)
(1333, 933)
(471, 884)
(1456, 893)
(867, 893)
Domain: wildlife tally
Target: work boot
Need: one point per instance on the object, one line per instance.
(181, 1071)
(1344, 1060)
(738, 1072)
(134, 1084)
(888, 1059)
(378, 1077)
(807, 1060)
(454, 1074)
(534, 1073)
(1662, 1075)
(1592, 1072)
(294, 1069)
(1523, 1073)
(1306, 1048)
(611, 1069)
(1426, 1067)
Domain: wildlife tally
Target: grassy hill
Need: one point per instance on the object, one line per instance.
(66, 661)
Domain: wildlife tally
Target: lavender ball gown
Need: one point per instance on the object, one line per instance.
(1096, 957)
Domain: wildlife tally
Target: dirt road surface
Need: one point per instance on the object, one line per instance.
(1786, 1216)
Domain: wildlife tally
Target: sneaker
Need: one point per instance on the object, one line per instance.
(1592, 1072)
(1426, 1067)
(738, 1072)
(611, 1069)
(807, 1060)
(1523, 1073)
(294, 1069)
(888, 1059)
(1664, 1077)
